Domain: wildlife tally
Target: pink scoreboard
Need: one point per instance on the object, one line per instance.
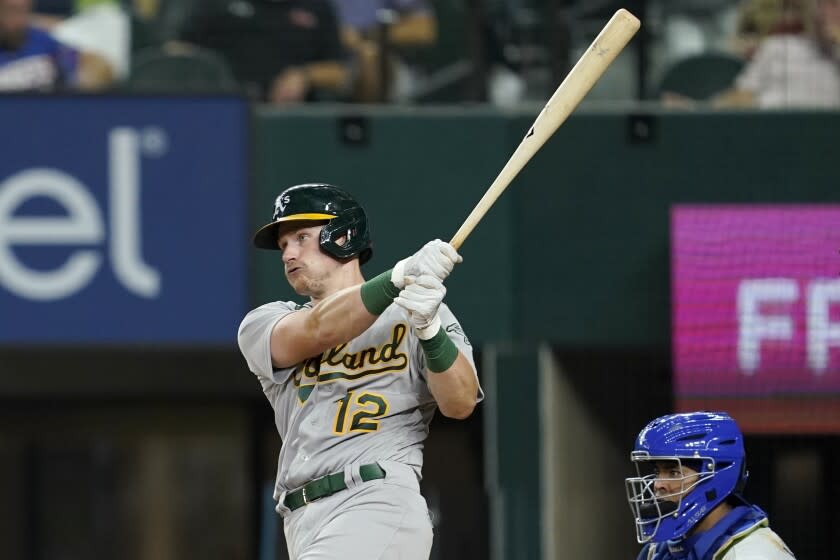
(756, 314)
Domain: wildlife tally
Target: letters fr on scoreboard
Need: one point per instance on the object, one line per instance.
(756, 313)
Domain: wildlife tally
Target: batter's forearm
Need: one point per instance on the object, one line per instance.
(339, 318)
(335, 320)
(456, 389)
(349, 312)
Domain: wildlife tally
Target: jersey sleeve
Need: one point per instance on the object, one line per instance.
(66, 59)
(254, 336)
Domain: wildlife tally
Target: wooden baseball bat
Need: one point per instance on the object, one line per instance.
(600, 54)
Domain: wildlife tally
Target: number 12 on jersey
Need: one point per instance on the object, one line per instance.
(363, 411)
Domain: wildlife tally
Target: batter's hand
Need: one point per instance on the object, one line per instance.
(436, 258)
(421, 299)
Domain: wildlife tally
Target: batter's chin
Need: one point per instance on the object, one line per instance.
(297, 284)
(302, 285)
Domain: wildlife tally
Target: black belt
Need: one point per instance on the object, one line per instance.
(328, 485)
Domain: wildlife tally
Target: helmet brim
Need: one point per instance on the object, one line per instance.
(266, 236)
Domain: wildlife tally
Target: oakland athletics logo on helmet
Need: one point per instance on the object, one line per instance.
(344, 217)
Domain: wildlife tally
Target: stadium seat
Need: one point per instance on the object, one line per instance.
(701, 76)
(179, 68)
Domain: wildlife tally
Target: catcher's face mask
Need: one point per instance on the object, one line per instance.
(660, 495)
(666, 506)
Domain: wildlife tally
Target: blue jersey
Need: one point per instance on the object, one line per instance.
(41, 63)
(362, 14)
(744, 529)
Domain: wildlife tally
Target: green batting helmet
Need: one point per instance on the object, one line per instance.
(315, 202)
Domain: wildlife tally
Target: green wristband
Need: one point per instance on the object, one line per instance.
(440, 352)
(378, 293)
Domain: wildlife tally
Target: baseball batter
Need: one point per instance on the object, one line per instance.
(354, 377)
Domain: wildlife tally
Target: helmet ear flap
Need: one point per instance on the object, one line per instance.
(351, 224)
(742, 478)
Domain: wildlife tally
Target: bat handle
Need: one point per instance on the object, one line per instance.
(479, 211)
(462, 233)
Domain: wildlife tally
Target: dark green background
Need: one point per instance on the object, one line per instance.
(576, 250)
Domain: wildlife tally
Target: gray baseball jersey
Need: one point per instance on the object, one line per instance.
(360, 402)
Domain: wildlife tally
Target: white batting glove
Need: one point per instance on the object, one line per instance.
(436, 258)
(421, 299)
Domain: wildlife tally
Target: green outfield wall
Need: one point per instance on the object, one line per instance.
(576, 251)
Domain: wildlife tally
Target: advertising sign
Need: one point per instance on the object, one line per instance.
(122, 219)
(756, 310)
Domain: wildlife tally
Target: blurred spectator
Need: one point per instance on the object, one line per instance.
(692, 27)
(100, 27)
(681, 33)
(797, 65)
(756, 20)
(828, 26)
(282, 51)
(155, 22)
(505, 86)
(31, 59)
(409, 24)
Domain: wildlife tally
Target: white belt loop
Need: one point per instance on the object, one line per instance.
(357, 478)
(351, 475)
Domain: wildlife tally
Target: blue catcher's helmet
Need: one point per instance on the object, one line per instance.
(709, 443)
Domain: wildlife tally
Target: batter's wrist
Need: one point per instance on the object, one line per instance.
(439, 350)
(430, 330)
(378, 293)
